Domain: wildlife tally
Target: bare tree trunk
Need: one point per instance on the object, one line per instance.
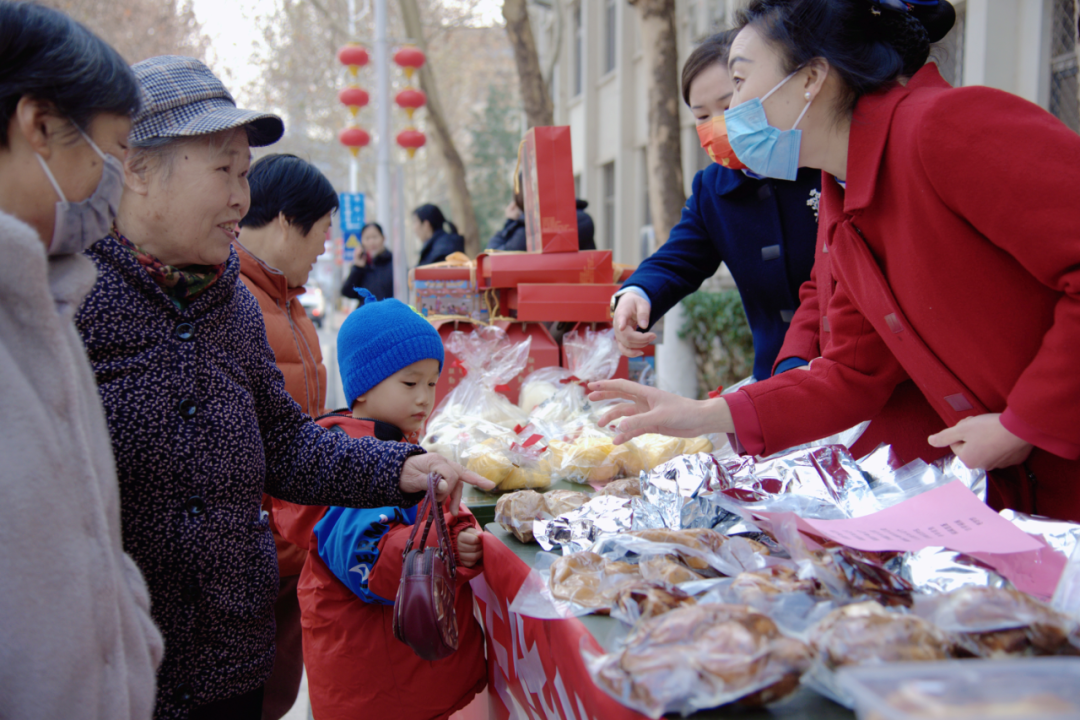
(664, 152)
(461, 205)
(534, 89)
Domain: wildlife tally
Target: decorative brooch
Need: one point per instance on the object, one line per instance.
(813, 202)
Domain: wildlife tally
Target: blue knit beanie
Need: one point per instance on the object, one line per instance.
(379, 338)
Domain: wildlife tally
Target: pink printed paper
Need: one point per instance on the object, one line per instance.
(950, 516)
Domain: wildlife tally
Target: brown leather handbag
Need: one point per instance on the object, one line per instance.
(424, 617)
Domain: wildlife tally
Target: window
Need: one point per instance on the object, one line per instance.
(608, 173)
(579, 59)
(949, 53)
(610, 34)
(1064, 86)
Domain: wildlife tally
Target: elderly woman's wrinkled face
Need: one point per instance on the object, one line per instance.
(200, 195)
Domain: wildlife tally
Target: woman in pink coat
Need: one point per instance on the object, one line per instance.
(950, 223)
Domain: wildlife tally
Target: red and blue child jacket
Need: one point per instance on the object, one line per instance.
(355, 665)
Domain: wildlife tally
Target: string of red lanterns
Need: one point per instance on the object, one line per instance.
(411, 99)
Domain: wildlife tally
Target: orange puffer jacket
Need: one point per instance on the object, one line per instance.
(296, 350)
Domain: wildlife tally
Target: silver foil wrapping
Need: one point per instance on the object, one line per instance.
(954, 469)
(578, 529)
(1058, 534)
(938, 570)
(677, 494)
(818, 482)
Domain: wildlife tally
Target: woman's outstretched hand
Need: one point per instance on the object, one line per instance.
(654, 411)
(414, 475)
(982, 442)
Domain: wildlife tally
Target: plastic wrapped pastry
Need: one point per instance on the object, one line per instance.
(626, 488)
(667, 570)
(702, 656)
(558, 502)
(645, 600)
(698, 539)
(756, 586)
(589, 580)
(515, 512)
(997, 622)
(866, 632)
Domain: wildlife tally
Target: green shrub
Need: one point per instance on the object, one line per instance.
(724, 348)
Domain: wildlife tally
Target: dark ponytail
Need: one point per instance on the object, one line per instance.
(432, 215)
(869, 43)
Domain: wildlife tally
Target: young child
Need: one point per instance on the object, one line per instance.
(390, 359)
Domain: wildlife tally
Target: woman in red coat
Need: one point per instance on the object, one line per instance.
(950, 222)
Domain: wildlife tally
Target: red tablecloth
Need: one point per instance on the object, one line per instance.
(535, 667)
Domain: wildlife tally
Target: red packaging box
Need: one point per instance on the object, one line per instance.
(548, 190)
(511, 269)
(565, 302)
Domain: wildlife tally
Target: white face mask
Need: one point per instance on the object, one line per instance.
(80, 225)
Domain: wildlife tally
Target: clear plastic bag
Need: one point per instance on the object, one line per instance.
(996, 622)
(516, 511)
(701, 656)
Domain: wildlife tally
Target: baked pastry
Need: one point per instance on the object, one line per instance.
(699, 539)
(515, 512)
(558, 502)
(913, 700)
(703, 652)
(645, 600)
(667, 570)
(1024, 626)
(589, 580)
(658, 449)
(522, 476)
(489, 459)
(625, 488)
(754, 586)
(866, 632)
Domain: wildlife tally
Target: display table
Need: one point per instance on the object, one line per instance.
(536, 669)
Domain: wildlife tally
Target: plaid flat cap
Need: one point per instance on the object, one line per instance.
(182, 98)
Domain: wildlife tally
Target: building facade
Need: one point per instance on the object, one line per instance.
(1026, 47)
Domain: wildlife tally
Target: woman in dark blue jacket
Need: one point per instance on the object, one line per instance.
(438, 244)
(373, 266)
(763, 229)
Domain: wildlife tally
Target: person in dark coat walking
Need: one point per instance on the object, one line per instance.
(200, 420)
(762, 229)
(428, 223)
(372, 267)
(586, 231)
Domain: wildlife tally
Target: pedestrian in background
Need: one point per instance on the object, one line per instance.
(280, 238)
(430, 225)
(76, 638)
(200, 420)
(372, 266)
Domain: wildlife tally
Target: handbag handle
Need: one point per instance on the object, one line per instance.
(429, 504)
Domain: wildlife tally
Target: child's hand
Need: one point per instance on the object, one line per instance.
(470, 547)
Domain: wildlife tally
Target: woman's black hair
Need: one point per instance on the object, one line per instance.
(286, 184)
(375, 225)
(432, 215)
(867, 42)
(47, 56)
(712, 50)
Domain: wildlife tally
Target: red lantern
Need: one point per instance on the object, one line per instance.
(412, 140)
(354, 138)
(410, 99)
(410, 59)
(353, 98)
(353, 56)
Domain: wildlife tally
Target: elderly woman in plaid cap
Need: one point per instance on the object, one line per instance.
(199, 417)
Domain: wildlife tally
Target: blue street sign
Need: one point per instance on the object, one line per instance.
(351, 219)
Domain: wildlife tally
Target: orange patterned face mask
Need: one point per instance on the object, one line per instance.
(714, 139)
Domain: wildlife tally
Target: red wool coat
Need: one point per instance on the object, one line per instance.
(356, 667)
(965, 201)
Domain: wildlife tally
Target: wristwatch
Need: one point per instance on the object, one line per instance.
(615, 299)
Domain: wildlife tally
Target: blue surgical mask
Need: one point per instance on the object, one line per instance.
(758, 145)
(78, 225)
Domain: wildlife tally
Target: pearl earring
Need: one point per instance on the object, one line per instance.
(807, 96)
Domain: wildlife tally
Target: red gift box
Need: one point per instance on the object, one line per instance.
(512, 269)
(565, 302)
(548, 190)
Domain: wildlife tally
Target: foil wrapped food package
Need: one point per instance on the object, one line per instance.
(677, 494)
(1061, 535)
(578, 529)
(818, 482)
(954, 469)
(940, 570)
(701, 549)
